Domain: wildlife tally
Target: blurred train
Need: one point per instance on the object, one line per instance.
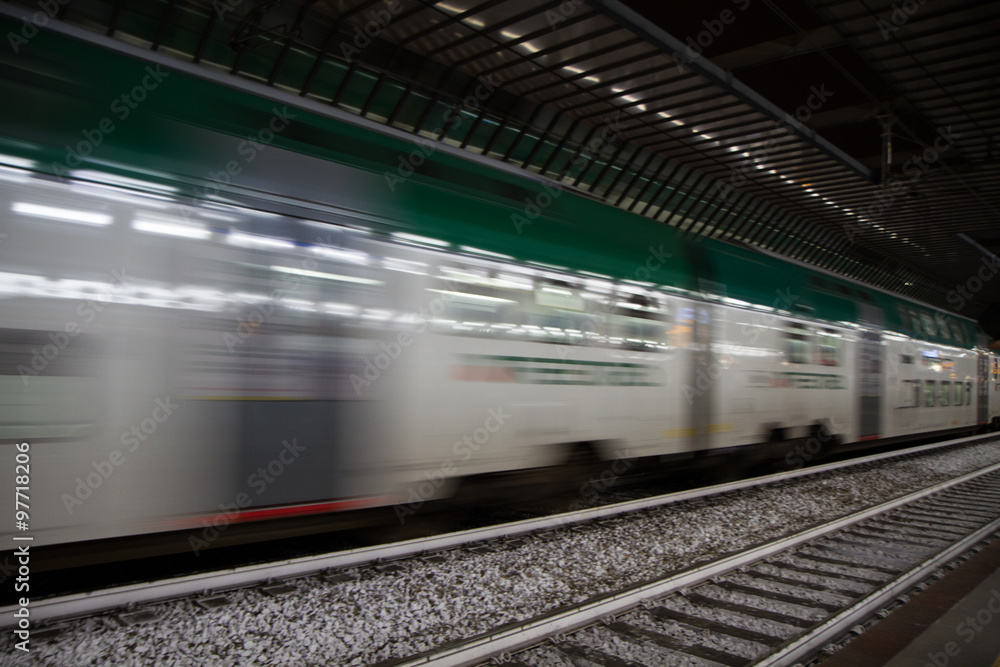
(202, 324)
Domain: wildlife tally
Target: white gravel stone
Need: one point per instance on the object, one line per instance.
(382, 615)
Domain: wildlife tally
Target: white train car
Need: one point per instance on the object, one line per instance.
(183, 354)
(247, 365)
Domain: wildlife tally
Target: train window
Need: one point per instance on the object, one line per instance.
(475, 301)
(930, 393)
(557, 313)
(928, 324)
(463, 311)
(945, 395)
(906, 358)
(968, 393)
(59, 392)
(942, 326)
(829, 348)
(909, 393)
(958, 394)
(904, 317)
(797, 351)
(637, 323)
(957, 332)
(797, 344)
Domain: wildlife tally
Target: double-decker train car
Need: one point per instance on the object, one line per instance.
(249, 309)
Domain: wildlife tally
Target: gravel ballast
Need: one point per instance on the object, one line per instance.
(384, 614)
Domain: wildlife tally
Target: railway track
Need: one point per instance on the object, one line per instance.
(666, 609)
(777, 604)
(81, 604)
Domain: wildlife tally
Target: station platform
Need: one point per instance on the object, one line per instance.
(955, 622)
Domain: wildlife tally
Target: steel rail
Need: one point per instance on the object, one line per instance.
(519, 636)
(813, 641)
(82, 604)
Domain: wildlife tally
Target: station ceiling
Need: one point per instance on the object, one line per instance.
(854, 135)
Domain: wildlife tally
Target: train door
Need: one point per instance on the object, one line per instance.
(703, 371)
(869, 384)
(983, 388)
